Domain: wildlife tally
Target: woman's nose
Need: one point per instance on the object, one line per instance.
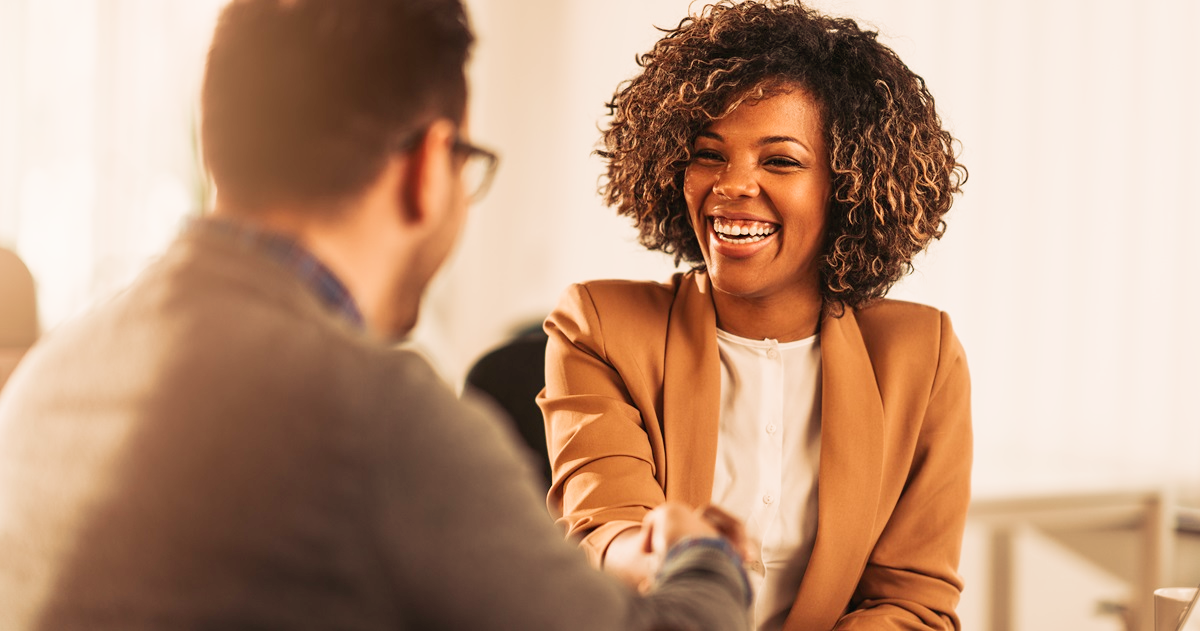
(736, 181)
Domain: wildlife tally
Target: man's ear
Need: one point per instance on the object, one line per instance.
(429, 179)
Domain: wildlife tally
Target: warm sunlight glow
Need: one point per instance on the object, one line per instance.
(98, 114)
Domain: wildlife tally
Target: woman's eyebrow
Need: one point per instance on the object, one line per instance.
(770, 140)
(762, 142)
(804, 146)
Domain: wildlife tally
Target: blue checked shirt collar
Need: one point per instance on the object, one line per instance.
(287, 252)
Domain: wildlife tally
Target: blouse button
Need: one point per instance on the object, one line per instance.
(770, 428)
(767, 499)
(772, 353)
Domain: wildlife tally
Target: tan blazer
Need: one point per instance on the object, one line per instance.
(632, 403)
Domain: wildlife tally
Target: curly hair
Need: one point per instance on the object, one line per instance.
(894, 170)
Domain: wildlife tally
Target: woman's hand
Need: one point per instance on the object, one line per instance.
(664, 526)
(731, 528)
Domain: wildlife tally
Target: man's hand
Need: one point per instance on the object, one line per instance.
(672, 522)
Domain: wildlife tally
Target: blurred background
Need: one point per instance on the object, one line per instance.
(1067, 267)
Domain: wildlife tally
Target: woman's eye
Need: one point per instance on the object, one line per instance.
(781, 162)
(707, 156)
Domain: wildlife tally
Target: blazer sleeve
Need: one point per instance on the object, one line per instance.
(603, 467)
(911, 579)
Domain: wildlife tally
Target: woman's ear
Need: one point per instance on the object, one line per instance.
(427, 190)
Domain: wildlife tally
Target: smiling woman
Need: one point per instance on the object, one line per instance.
(798, 165)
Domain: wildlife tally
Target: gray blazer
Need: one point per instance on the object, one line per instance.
(213, 449)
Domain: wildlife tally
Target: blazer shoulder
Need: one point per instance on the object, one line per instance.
(901, 315)
(639, 295)
(910, 343)
(906, 327)
(889, 312)
(623, 304)
(615, 318)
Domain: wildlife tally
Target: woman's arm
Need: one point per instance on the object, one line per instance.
(603, 466)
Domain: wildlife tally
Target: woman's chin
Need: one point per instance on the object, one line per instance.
(746, 284)
(756, 284)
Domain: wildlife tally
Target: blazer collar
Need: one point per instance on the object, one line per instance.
(691, 392)
(851, 469)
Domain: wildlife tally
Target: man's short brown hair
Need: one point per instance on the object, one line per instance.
(304, 99)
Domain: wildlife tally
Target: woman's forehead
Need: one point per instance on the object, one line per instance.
(784, 106)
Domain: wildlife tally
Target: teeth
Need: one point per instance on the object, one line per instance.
(742, 231)
(729, 239)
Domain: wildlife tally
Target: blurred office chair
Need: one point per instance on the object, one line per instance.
(18, 312)
(512, 375)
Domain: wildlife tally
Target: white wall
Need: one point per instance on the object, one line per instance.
(97, 161)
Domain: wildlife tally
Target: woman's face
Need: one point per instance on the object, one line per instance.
(757, 189)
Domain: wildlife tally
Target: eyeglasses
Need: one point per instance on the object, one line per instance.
(478, 167)
(478, 164)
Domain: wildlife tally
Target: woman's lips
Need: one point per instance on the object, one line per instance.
(740, 238)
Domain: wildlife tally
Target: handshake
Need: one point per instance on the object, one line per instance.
(636, 554)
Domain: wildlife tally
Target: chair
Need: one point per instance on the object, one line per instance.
(18, 312)
(512, 375)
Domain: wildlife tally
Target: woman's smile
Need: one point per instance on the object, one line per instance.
(740, 238)
(740, 231)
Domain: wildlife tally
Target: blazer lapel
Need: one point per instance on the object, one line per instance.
(849, 478)
(691, 393)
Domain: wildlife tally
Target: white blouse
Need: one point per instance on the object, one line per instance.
(768, 451)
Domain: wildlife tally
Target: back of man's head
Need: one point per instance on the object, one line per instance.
(304, 99)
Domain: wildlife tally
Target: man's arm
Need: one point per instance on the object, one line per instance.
(469, 544)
